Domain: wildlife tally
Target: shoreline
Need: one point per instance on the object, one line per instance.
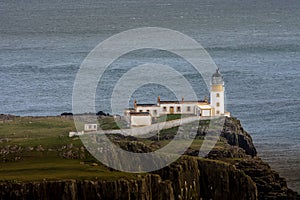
(267, 157)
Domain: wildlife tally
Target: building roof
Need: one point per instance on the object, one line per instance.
(217, 74)
(165, 102)
(180, 102)
(204, 107)
(145, 104)
(217, 78)
(129, 109)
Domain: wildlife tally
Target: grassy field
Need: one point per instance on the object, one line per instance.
(38, 148)
(170, 117)
(32, 148)
(51, 168)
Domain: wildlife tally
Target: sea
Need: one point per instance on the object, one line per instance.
(255, 44)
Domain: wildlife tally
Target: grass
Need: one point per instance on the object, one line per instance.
(108, 123)
(52, 134)
(36, 127)
(170, 117)
(196, 144)
(56, 169)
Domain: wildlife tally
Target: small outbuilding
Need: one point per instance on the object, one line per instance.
(140, 119)
(90, 127)
(205, 110)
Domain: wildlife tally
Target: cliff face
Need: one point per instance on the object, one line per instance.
(189, 178)
(268, 182)
(235, 135)
(148, 187)
(242, 154)
(230, 171)
(194, 178)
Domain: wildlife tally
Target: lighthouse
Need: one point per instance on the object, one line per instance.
(143, 114)
(217, 93)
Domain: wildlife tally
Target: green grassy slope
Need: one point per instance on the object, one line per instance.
(37, 148)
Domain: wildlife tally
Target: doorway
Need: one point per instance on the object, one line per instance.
(171, 110)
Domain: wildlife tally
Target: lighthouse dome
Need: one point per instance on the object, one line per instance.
(217, 78)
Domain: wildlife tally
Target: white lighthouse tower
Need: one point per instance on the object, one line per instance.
(217, 94)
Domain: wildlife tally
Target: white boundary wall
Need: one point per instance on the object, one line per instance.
(138, 131)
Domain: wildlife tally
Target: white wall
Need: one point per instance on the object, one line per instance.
(160, 110)
(151, 110)
(155, 127)
(140, 120)
(205, 113)
(214, 100)
(72, 134)
(183, 108)
(90, 127)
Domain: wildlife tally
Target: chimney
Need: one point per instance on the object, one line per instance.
(182, 99)
(206, 99)
(134, 104)
(158, 100)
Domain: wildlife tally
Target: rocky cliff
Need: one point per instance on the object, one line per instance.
(189, 178)
(242, 154)
(231, 170)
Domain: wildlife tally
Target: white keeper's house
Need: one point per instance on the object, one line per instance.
(142, 114)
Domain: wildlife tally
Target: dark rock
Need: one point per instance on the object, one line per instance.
(235, 135)
(269, 184)
(101, 113)
(66, 114)
(194, 178)
(189, 178)
(39, 148)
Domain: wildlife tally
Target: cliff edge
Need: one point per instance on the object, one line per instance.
(232, 170)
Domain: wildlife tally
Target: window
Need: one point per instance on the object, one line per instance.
(218, 94)
(178, 109)
(218, 112)
(155, 112)
(95, 126)
(188, 108)
(90, 126)
(141, 110)
(218, 104)
(148, 110)
(165, 109)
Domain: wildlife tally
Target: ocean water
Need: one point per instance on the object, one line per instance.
(256, 45)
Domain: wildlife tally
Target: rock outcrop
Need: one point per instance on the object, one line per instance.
(235, 135)
(148, 187)
(232, 171)
(194, 178)
(189, 178)
(268, 182)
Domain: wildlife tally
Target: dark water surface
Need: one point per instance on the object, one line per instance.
(256, 44)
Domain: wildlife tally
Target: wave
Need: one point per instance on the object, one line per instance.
(257, 48)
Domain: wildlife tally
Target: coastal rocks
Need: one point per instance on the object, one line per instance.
(227, 152)
(235, 135)
(269, 184)
(194, 178)
(136, 147)
(10, 153)
(71, 152)
(6, 118)
(4, 140)
(39, 148)
(148, 187)
(235, 172)
(189, 178)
